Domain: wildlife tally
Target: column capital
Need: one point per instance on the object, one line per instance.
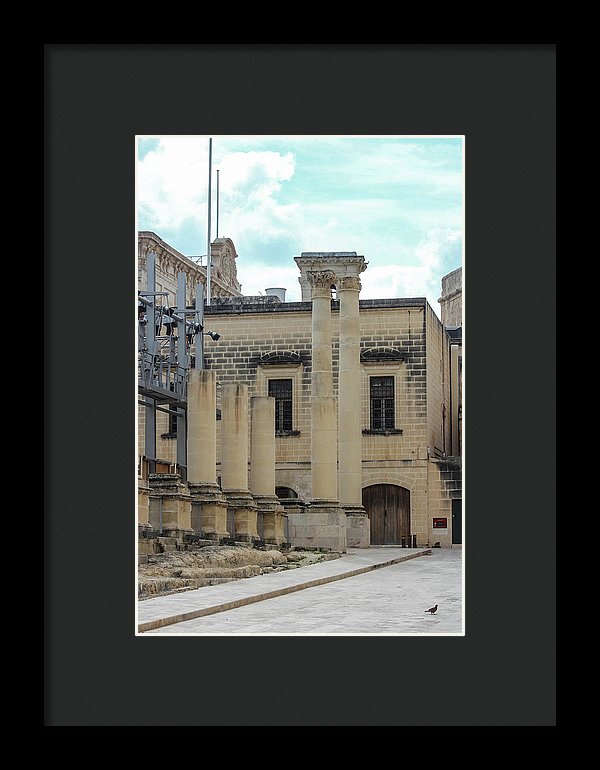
(305, 287)
(320, 281)
(349, 283)
(319, 267)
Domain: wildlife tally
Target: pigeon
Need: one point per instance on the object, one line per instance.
(433, 610)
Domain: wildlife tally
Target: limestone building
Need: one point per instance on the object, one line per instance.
(452, 319)
(364, 395)
(451, 299)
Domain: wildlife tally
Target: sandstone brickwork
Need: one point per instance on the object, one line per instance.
(263, 339)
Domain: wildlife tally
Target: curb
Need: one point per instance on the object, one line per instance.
(231, 605)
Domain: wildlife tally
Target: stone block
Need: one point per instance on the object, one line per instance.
(358, 532)
(273, 527)
(209, 518)
(246, 529)
(167, 543)
(336, 518)
(334, 543)
(316, 519)
(145, 546)
(318, 528)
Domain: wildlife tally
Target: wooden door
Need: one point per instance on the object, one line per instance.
(388, 509)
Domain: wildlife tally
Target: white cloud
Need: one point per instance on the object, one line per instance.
(172, 182)
(409, 238)
(253, 178)
(438, 253)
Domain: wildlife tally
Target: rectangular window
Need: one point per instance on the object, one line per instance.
(382, 403)
(281, 391)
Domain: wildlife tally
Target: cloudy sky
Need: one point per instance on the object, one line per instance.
(396, 200)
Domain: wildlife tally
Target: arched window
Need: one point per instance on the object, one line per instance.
(285, 493)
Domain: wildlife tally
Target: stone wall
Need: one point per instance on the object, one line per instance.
(438, 386)
(451, 299)
(241, 355)
(439, 505)
(263, 339)
(401, 338)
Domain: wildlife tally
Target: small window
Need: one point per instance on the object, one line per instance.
(285, 493)
(281, 391)
(382, 403)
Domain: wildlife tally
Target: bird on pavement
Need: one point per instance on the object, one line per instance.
(433, 610)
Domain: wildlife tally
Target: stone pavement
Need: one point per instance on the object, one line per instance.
(379, 590)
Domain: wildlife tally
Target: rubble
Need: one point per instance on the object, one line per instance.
(174, 571)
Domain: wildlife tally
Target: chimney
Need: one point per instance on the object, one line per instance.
(276, 292)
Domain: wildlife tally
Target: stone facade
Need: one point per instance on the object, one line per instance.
(452, 319)
(169, 262)
(451, 299)
(400, 340)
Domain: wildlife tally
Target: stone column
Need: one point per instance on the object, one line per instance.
(262, 468)
(209, 507)
(349, 411)
(319, 269)
(323, 524)
(349, 400)
(202, 427)
(234, 460)
(323, 404)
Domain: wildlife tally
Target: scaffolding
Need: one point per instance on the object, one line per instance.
(170, 342)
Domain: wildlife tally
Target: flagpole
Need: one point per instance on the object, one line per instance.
(208, 258)
(217, 203)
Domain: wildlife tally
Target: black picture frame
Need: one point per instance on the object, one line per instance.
(97, 97)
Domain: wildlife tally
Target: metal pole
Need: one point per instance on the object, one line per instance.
(151, 284)
(150, 443)
(217, 203)
(199, 319)
(181, 353)
(150, 432)
(208, 259)
(158, 408)
(181, 362)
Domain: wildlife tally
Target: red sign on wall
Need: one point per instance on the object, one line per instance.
(440, 523)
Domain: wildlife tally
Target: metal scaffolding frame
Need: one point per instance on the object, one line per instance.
(164, 359)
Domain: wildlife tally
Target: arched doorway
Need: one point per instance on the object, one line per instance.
(388, 509)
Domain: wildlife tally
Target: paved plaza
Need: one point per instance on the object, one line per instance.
(382, 599)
